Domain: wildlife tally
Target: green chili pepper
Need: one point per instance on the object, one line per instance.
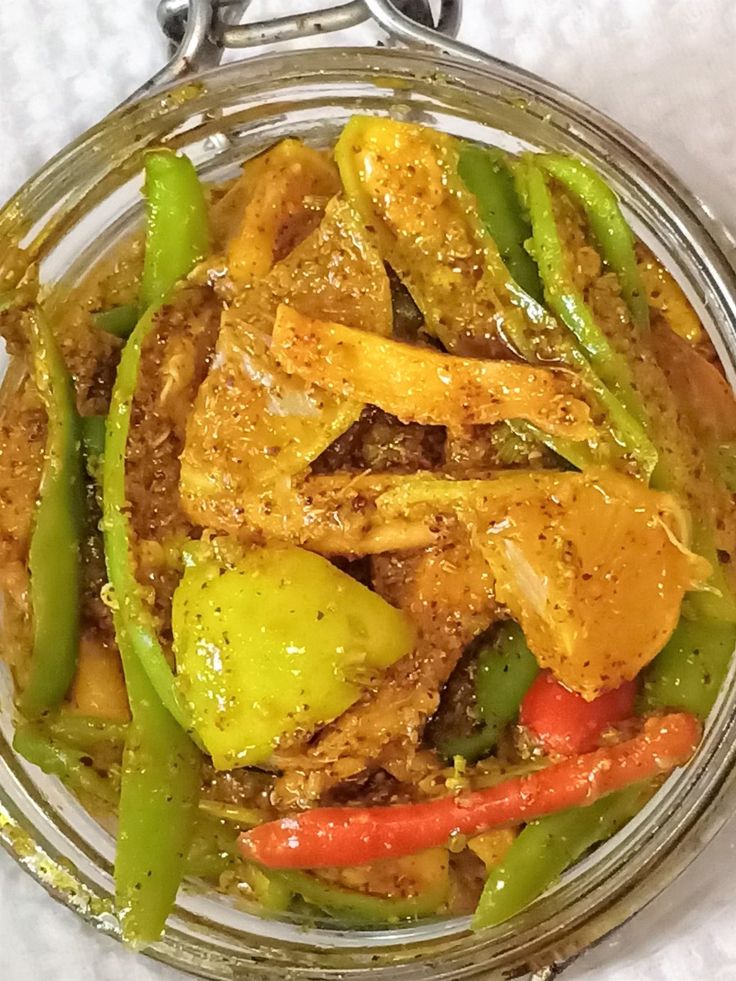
(470, 723)
(84, 731)
(176, 208)
(506, 669)
(545, 848)
(687, 674)
(273, 895)
(73, 767)
(601, 369)
(213, 847)
(161, 765)
(58, 526)
(158, 808)
(175, 201)
(726, 462)
(244, 817)
(93, 436)
(177, 228)
(350, 906)
(486, 174)
(205, 864)
(118, 321)
(609, 227)
(562, 295)
(455, 729)
(133, 619)
(93, 444)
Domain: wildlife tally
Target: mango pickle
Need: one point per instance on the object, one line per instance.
(414, 576)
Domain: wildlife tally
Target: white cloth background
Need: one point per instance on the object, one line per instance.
(665, 69)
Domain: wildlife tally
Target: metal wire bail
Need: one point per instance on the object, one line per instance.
(200, 31)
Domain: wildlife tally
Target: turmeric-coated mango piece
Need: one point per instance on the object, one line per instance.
(285, 191)
(559, 546)
(419, 384)
(254, 426)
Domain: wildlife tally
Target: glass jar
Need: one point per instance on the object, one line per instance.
(80, 205)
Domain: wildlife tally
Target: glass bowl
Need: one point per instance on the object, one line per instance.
(80, 205)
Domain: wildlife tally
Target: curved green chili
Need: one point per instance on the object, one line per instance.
(213, 847)
(118, 321)
(176, 217)
(57, 531)
(610, 229)
(562, 295)
(73, 766)
(504, 670)
(84, 731)
(159, 791)
(177, 227)
(134, 624)
(601, 369)
(486, 174)
(92, 429)
(351, 906)
(244, 817)
(161, 764)
(689, 670)
(93, 436)
(545, 848)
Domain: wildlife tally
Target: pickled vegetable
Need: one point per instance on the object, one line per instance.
(253, 425)
(283, 195)
(415, 562)
(453, 269)
(560, 549)
(277, 642)
(420, 385)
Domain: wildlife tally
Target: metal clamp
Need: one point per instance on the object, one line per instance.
(200, 31)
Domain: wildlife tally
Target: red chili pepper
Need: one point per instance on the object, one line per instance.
(563, 723)
(343, 836)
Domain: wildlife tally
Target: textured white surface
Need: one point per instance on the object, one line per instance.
(665, 69)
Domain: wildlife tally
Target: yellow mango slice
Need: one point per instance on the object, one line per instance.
(336, 515)
(422, 385)
(491, 846)
(288, 188)
(425, 873)
(666, 295)
(98, 688)
(274, 641)
(227, 213)
(254, 426)
(593, 566)
(403, 179)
